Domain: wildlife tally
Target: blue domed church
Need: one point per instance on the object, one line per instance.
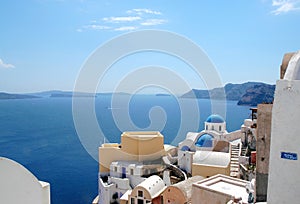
(215, 130)
(215, 123)
(210, 147)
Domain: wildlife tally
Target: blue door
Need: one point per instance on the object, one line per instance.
(123, 172)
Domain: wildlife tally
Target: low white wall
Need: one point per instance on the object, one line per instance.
(18, 185)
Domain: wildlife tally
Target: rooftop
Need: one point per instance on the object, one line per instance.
(142, 135)
(211, 158)
(215, 119)
(225, 185)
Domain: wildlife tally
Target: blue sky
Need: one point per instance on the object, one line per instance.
(44, 43)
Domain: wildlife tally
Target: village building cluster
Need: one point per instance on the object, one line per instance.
(256, 164)
(211, 166)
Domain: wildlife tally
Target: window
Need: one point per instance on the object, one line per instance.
(132, 201)
(131, 171)
(140, 201)
(220, 128)
(140, 194)
(116, 168)
(213, 127)
(115, 196)
(123, 172)
(206, 127)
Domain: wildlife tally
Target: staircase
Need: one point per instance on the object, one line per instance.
(243, 153)
(235, 152)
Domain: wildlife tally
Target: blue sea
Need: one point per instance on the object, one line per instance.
(40, 134)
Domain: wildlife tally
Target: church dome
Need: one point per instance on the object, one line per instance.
(205, 140)
(215, 119)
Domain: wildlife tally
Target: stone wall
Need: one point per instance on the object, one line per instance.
(264, 118)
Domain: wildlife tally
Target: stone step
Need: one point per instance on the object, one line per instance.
(234, 169)
(234, 174)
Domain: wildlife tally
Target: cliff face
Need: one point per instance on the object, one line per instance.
(250, 93)
(235, 92)
(263, 93)
(196, 93)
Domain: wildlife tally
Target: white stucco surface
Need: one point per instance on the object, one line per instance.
(18, 185)
(211, 158)
(284, 180)
(219, 189)
(154, 185)
(293, 69)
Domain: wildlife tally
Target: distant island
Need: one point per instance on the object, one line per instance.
(4, 96)
(71, 94)
(162, 95)
(249, 93)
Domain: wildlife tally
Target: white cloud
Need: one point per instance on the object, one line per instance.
(93, 27)
(152, 22)
(96, 27)
(134, 19)
(143, 11)
(121, 19)
(6, 66)
(126, 28)
(285, 6)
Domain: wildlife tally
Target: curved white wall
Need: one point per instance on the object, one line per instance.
(293, 69)
(18, 185)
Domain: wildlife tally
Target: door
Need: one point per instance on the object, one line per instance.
(123, 172)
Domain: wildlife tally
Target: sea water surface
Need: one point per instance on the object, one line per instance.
(40, 135)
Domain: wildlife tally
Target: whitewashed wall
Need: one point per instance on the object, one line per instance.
(18, 185)
(284, 179)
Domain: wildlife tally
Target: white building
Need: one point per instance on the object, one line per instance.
(149, 191)
(215, 129)
(215, 123)
(220, 189)
(125, 176)
(111, 189)
(284, 180)
(208, 150)
(18, 185)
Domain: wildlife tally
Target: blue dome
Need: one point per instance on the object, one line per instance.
(215, 119)
(205, 140)
(185, 148)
